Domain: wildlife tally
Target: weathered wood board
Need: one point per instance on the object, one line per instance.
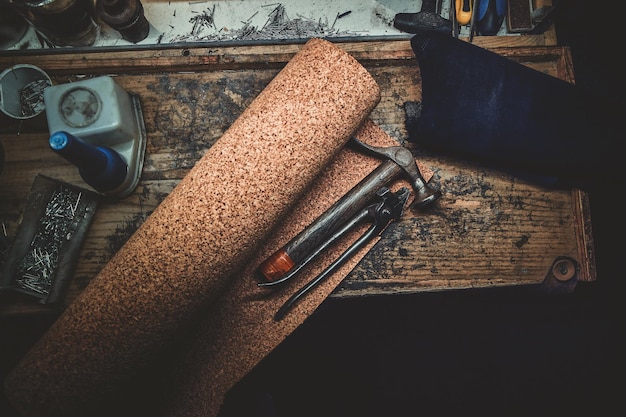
(489, 229)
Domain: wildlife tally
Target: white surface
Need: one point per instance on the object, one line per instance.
(189, 21)
(248, 20)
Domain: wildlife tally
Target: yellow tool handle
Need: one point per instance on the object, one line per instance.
(463, 11)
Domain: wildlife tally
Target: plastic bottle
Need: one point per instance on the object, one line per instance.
(99, 166)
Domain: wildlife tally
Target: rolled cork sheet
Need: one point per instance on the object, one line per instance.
(239, 329)
(200, 238)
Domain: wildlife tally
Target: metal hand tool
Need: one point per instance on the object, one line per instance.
(463, 11)
(472, 29)
(427, 19)
(399, 160)
(518, 16)
(455, 24)
(489, 16)
(381, 213)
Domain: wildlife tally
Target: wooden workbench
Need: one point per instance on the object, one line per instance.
(489, 229)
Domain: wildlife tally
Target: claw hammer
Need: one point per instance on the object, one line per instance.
(398, 160)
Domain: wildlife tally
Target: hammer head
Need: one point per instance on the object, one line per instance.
(424, 193)
(422, 22)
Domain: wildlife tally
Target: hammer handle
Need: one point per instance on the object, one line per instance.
(278, 264)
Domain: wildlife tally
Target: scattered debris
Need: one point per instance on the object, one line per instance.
(203, 20)
(277, 26)
(5, 243)
(344, 14)
(31, 97)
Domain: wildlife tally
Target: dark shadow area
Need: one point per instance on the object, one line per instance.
(477, 352)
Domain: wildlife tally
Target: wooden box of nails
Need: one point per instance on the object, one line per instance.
(42, 257)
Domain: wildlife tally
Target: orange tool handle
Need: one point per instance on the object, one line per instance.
(302, 245)
(276, 266)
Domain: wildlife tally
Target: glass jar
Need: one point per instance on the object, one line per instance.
(61, 22)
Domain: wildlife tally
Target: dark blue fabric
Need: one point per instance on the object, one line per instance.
(479, 105)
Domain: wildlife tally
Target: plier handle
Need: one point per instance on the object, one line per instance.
(388, 207)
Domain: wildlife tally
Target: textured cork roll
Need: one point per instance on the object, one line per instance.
(240, 330)
(199, 239)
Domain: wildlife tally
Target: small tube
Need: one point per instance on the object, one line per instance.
(101, 167)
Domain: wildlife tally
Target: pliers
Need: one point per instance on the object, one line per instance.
(388, 207)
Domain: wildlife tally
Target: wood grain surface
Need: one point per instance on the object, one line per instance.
(199, 240)
(489, 229)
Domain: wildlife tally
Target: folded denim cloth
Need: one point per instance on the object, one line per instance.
(481, 106)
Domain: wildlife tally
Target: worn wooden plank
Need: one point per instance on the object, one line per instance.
(217, 57)
(490, 229)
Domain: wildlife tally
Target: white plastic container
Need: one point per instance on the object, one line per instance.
(100, 112)
(97, 110)
(21, 91)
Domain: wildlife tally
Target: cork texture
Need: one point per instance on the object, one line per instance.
(239, 330)
(201, 237)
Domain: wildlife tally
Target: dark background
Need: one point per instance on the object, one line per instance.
(472, 352)
(456, 353)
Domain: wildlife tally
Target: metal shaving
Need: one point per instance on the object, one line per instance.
(277, 26)
(31, 97)
(203, 20)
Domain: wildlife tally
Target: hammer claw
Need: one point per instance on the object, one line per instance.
(424, 193)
